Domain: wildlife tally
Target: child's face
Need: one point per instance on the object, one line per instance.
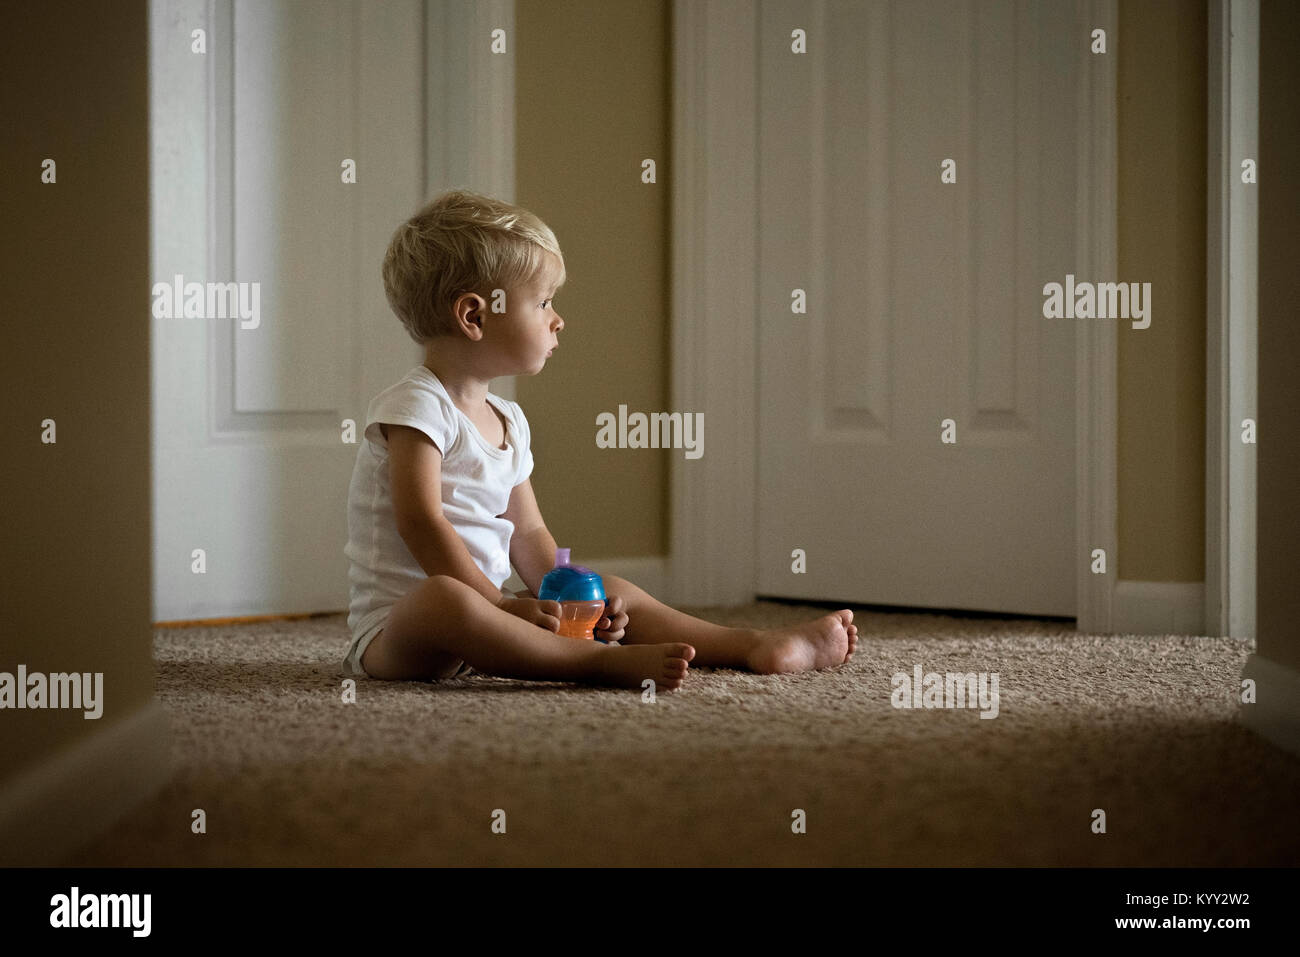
(531, 328)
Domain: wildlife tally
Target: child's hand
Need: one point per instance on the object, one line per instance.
(533, 610)
(610, 627)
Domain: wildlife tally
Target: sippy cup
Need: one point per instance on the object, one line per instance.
(579, 591)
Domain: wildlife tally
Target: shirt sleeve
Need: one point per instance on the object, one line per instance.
(525, 445)
(415, 405)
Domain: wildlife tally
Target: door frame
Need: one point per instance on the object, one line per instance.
(714, 363)
(1096, 431)
(1231, 348)
(469, 107)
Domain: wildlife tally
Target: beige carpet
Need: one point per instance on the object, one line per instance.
(1142, 727)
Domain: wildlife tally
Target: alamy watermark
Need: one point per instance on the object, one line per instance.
(75, 909)
(659, 430)
(1103, 300)
(58, 690)
(179, 299)
(951, 690)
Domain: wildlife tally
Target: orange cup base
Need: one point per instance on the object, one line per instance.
(578, 618)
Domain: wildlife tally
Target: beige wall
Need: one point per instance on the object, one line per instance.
(76, 566)
(1278, 543)
(1162, 183)
(592, 86)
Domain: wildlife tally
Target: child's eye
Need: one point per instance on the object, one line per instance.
(545, 301)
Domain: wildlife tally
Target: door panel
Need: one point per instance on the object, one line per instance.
(250, 462)
(924, 303)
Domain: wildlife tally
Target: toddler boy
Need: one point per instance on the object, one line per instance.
(441, 504)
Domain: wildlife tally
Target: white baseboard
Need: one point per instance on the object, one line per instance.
(650, 573)
(49, 810)
(1275, 715)
(1158, 608)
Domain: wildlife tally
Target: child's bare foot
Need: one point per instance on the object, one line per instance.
(822, 643)
(629, 665)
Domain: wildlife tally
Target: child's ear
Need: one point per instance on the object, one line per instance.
(469, 311)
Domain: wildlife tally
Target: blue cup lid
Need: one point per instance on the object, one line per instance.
(566, 582)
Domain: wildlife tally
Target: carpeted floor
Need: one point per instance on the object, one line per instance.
(1144, 728)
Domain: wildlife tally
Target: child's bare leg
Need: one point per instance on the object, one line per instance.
(821, 643)
(444, 622)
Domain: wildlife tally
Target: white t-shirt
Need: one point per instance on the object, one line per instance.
(477, 479)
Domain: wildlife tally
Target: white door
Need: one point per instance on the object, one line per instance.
(250, 139)
(924, 304)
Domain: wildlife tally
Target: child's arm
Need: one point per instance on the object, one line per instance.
(415, 474)
(532, 549)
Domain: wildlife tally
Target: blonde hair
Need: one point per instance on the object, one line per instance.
(461, 242)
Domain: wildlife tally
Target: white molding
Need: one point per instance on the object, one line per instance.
(714, 298)
(1275, 715)
(470, 105)
(1097, 383)
(1232, 282)
(1158, 608)
(49, 810)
